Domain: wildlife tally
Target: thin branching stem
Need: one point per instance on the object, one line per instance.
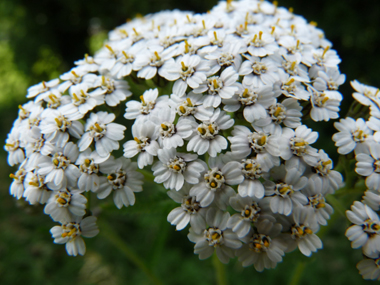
(220, 271)
(111, 235)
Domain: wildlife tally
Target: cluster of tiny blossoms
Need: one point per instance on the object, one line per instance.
(218, 123)
(363, 137)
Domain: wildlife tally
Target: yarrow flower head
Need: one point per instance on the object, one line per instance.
(215, 108)
(361, 136)
(71, 233)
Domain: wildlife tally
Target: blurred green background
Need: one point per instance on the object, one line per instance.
(40, 40)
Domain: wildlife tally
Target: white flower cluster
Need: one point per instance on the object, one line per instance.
(363, 138)
(228, 134)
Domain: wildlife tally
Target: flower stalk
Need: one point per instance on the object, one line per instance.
(111, 235)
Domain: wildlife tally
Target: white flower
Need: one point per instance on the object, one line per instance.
(191, 45)
(329, 80)
(284, 193)
(36, 143)
(259, 71)
(216, 38)
(13, 145)
(106, 56)
(288, 112)
(217, 237)
(369, 268)
(298, 142)
(105, 134)
(151, 59)
(251, 186)
(88, 62)
(169, 36)
(266, 146)
(173, 168)
(36, 190)
(172, 135)
(374, 124)
(372, 199)
(83, 100)
(201, 25)
(207, 138)
(191, 105)
(190, 211)
(28, 117)
(42, 88)
(215, 185)
(322, 57)
(317, 201)
(352, 135)
(261, 44)
(64, 205)
(325, 105)
(264, 248)
(365, 95)
(227, 55)
(374, 110)
(323, 170)
(291, 63)
(54, 99)
(187, 70)
(294, 44)
(303, 231)
(291, 86)
(122, 179)
(249, 212)
(254, 100)
(144, 143)
(89, 167)
(71, 232)
(59, 168)
(149, 103)
(366, 229)
(114, 90)
(224, 7)
(17, 187)
(56, 127)
(219, 87)
(126, 32)
(126, 60)
(369, 165)
(75, 76)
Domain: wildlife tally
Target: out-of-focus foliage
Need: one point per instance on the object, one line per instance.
(39, 42)
(13, 82)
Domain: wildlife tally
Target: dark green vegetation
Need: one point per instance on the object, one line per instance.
(39, 42)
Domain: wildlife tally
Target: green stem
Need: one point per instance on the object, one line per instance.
(295, 280)
(88, 196)
(220, 272)
(336, 204)
(324, 230)
(147, 174)
(134, 77)
(340, 165)
(121, 245)
(150, 177)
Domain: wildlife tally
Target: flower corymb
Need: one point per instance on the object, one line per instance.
(216, 107)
